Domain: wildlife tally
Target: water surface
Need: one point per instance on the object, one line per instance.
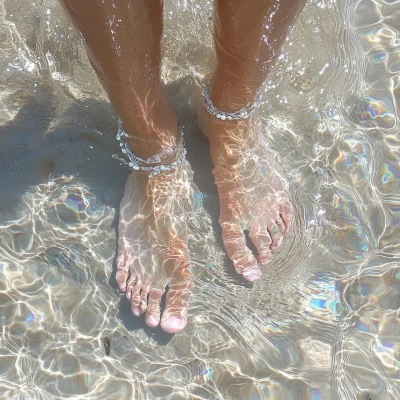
(323, 323)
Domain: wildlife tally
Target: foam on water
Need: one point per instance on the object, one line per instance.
(322, 323)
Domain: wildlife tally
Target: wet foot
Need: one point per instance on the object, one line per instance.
(152, 248)
(252, 188)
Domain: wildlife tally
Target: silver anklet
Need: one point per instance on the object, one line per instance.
(243, 113)
(139, 164)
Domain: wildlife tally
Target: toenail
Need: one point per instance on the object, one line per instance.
(152, 321)
(253, 277)
(252, 273)
(174, 324)
(136, 311)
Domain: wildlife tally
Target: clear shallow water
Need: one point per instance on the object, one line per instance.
(324, 321)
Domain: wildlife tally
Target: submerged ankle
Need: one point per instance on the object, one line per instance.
(152, 156)
(147, 140)
(230, 93)
(153, 129)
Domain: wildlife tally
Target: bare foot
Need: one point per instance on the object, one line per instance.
(152, 247)
(253, 191)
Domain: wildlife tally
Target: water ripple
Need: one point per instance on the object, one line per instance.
(323, 321)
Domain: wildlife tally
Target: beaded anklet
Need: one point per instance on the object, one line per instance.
(243, 113)
(155, 165)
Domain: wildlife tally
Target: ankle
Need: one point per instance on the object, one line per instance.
(229, 93)
(238, 76)
(163, 158)
(150, 122)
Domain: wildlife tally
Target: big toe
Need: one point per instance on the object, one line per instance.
(174, 318)
(174, 323)
(252, 273)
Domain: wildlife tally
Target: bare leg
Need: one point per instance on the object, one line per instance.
(252, 189)
(123, 42)
(248, 37)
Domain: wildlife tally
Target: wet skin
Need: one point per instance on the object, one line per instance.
(152, 245)
(124, 48)
(253, 193)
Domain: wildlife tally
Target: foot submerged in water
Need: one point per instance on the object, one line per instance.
(253, 190)
(152, 248)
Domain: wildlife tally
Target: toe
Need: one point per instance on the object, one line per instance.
(252, 273)
(242, 258)
(281, 225)
(153, 308)
(262, 241)
(135, 300)
(122, 272)
(286, 215)
(129, 285)
(143, 297)
(174, 318)
(276, 235)
(174, 323)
